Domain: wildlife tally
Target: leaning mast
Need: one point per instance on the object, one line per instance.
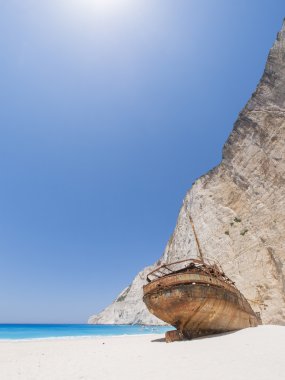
(196, 239)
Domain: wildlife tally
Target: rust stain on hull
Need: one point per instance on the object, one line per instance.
(198, 300)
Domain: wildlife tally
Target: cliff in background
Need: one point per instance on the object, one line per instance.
(238, 208)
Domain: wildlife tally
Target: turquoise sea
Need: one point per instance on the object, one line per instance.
(37, 331)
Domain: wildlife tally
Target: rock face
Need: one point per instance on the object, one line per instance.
(238, 208)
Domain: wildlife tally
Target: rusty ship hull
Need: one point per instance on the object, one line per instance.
(198, 302)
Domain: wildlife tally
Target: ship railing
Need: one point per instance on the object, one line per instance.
(209, 266)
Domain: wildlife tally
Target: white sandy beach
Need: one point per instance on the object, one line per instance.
(255, 354)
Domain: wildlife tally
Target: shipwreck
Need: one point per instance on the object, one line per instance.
(197, 298)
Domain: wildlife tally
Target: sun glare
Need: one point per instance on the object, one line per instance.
(109, 6)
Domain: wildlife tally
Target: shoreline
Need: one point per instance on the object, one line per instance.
(23, 332)
(79, 337)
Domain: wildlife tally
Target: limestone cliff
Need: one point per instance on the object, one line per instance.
(238, 208)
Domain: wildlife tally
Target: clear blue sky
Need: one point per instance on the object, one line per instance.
(110, 109)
